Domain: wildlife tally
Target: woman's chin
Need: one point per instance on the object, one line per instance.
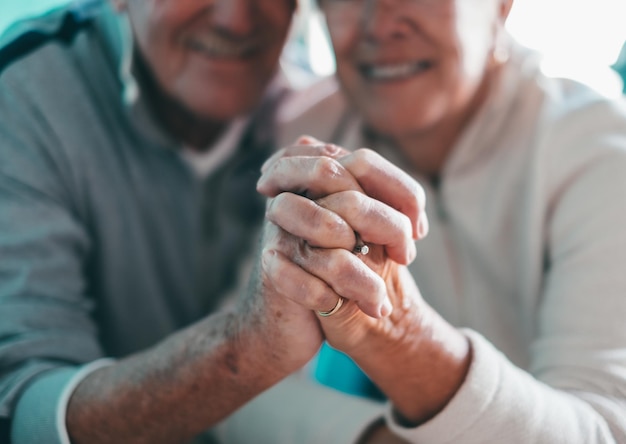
(395, 129)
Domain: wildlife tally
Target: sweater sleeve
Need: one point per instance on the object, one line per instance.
(47, 329)
(41, 410)
(499, 402)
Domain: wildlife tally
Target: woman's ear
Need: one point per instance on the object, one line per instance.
(505, 9)
(501, 44)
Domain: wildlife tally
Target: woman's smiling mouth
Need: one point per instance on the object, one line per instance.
(390, 72)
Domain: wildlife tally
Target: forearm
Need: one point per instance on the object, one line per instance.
(175, 390)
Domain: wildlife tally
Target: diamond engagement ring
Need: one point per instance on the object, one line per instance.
(360, 247)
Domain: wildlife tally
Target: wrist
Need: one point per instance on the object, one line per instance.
(251, 349)
(276, 340)
(421, 372)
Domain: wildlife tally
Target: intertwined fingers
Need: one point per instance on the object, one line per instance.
(331, 222)
(317, 278)
(317, 170)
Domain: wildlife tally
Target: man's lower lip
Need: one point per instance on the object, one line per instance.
(219, 60)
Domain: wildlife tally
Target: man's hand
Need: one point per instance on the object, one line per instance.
(289, 332)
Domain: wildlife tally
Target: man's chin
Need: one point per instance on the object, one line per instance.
(221, 108)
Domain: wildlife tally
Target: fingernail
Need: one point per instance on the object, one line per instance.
(266, 165)
(422, 226)
(386, 308)
(303, 140)
(277, 155)
(412, 253)
(260, 183)
(267, 256)
(307, 140)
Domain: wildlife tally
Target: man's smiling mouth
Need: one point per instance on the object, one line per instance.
(222, 48)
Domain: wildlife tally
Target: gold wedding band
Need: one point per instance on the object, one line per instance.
(332, 311)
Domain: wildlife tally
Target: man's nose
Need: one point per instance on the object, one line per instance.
(234, 16)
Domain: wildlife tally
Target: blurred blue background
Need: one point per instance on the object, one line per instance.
(12, 9)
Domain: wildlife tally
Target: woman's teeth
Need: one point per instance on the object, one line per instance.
(393, 72)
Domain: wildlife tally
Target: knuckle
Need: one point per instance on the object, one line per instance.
(371, 155)
(326, 168)
(354, 202)
(279, 154)
(349, 280)
(365, 161)
(325, 150)
(355, 198)
(363, 158)
(319, 296)
(270, 267)
(374, 286)
(275, 205)
(334, 227)
(365, 154)
(329, 223)
(330, 150)
(281, 199)
(340, 268)
(278, 166)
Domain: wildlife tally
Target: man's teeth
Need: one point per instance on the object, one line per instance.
(392, 72)
(222, 48)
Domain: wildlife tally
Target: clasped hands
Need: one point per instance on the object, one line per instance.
(321, 196)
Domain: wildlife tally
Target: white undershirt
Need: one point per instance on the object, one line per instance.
(205, 162)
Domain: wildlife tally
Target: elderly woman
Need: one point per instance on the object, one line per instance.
(508, 325)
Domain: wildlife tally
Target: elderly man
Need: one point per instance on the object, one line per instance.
(131, 137)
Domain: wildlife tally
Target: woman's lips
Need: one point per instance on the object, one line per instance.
(393, 71)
